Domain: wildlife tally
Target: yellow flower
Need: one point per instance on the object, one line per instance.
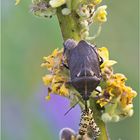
(106, 97)
(106, 66)
(57, 82)
(55, 87)
(102, 102)
(115, 87)
(58, 76)
(47, 79)
(100, 14)
(64, 91)
(49, 92)
(58, 79)
(103, 52)
(53, 61)
(17, 2)
(49, 62)
(56, 3)
(55, 53)
(48, 97)
(127, 96)
(97, 2)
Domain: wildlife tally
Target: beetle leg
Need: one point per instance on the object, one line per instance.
(69, 82)
(98, 94)
(97, 90)
(101, 60)
(66, 66)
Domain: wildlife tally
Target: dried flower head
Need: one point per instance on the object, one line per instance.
(42, 9)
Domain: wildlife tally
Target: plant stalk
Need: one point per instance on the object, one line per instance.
(70, 29)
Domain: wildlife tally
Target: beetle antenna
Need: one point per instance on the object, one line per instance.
(71, 107)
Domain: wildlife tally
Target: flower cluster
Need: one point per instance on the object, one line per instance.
(115, 96)
(58, 76)
(88, 12)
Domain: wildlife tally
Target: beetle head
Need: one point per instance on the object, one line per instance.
(68, 46)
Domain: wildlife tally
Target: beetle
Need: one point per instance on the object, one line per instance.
(84, 63)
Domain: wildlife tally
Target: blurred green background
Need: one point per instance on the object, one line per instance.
(26, 39)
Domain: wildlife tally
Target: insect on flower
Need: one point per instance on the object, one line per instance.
(84, 63)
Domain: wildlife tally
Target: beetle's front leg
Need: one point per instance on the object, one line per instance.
(66, 66)
(101, 60)
(68, 82)
(98, 93)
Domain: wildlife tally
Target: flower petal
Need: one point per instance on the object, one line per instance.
(103, 52)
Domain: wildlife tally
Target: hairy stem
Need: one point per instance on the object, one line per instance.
(70, 28)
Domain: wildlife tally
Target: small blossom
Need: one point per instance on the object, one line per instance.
(115, 118)
(115, 96)
(66, 11)
(103, 52)
(56, 3)
(47, 97)
(84, 23)
(106, 66)
(47, 79)
(63, 90)
(58, 76)
(83, 11)
(53, 61)
(49, 94)
(100, 14)
(131, 112)
(126, 96)
(96, 2)
(17, 2)
(55, 88)
(106, 117)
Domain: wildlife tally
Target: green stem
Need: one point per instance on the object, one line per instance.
(69, 25)
(97, 118)
(70, 28)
